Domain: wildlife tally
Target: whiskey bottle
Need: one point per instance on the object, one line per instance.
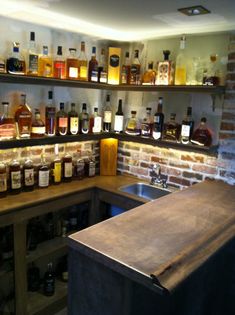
(119, 118)
(32, 56)
(28, 173)
(84, 120)
(38, 127)
(62, 121)
(158, 121)
(102, 68)
(16, 62)
(202, 135)
(72, 64)
(133, 125)
(114, 65)
(2, 64)
(79, 168)
(93, 67)
(147, 123)
(187, 127)
(50, 116)
(59, 65)
(180, 70)
(67, 167)
(15, 176)
(56, 166)
(82, 64)
(45, 67)
(126, 70)
(95, 122)
(149, 76)
(135, 69)
(43, 173)
(211, 76)
(7, 124)
(107, 120)
(165, 70)
(89, 167)
(172, 129)
(73, 120)
(23, 117)
(49, 281)
(3, 176)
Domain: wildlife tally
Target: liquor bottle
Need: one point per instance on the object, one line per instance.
(23, 117)
(107, 120)
(126, 70)
(16, 62)
(82, 64)
(165, 70)
(158, 121)
(180, 69)
(72, 64)
(102, 68)
(114, 65)
(89, 167)
(62, 121)
(119, 119)
(15, 176)
(149, 76)
(202, 135)
(96, 122)
(3, 176)
(135, 69)
(59, 65)
(32, 56)
(93, 67)
(7, 124)
(28, 173)
(43, 173)
(2, 64)
(56, 166)
(187, 127)
(50, 113)
(79, 168)
(211, 76)
(67, 167)
(147, 123)
(45, 64)
(33, 278)
(73, 120)
(84, 120)
(133, 125)
(38, 127)
(172, 129)
(49, 281)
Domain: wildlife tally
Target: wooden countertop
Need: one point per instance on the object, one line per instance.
(163, 241)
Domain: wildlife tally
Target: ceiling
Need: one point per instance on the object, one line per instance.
(125, 20)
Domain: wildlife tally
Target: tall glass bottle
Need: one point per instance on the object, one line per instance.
(158, 121)
(187, 127)
(16, 62)
(3, 176)
(23, 118)
(93, 67)
(180, 68)
(56, 166)
(147, 123)
(45, 67)
(73, 120)
(50, 116)
(102, 68)
(43, 173)
(165, 70)
(49, 281)
(7, 124)
(95, 122)
(172, 129)
(126, 70)
(119, 118)
(15, 175)
(72, 64)
(32, 56)
(82, 64)
(38, 127)
(107, 120)
(84, 120)
(135, 69)
(28, 173)
(59, 65)
(62, 121)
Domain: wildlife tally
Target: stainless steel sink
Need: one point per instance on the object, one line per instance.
(145, 191)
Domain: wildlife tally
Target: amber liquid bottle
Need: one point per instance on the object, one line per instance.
(3, 177)
(15, 177)
(83, 64)
(59, 65)
(43, 173)
(23, 117)
(93, 67)
(62, 121)
(72, 64)
(38, 126)
(45, 68)
(56, 167)
(28, 174)
(67, 168)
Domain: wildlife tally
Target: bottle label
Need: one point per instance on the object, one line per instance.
(107, 116)
(29, 177)
(7, 131)
(33, 63)
(63, 122)
(15, 65)
(74, 125)
(132, 124)
(156, 119)
(83, 72)
(97, 125)
(156, 135)
(114, 61)
(43, 180)
(94, 76)
(3, 182)
(57, 172)
(118, 123)
(15, 180)
(145, 129)
(85, 126)
(38, 130)
(68, 169)
(91, 169)
(185, 130)
(103, 77)
(50, 112)
(73, 72)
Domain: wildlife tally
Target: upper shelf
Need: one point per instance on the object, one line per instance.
(23, 79)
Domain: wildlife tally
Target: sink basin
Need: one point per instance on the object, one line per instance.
(145, 191)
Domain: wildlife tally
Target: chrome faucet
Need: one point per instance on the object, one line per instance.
(156, 177)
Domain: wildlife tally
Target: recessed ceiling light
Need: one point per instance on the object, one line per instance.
(195, 10)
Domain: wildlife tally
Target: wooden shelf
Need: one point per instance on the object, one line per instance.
(30, 80)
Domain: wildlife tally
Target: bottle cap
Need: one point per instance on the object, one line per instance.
(84, 106)
(50, 95)
(133, 112)
(96, 109)
(72, 49)
(166, 54)
(107, 98)
(127, 54)
(93, 50)
(59, 50)
(32, 36)
(61, 105)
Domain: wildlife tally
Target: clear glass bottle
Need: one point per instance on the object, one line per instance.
(107, 119)
(50, 114)
(3, 176)
(202, 135)
(32, 56)
(158, 121)
(62, 121)
(102, 68)
(45, 64)
(56, 166)
(126, 69)
(147, 123)
(165, 70)
(15, 175)
(82, 64)
(59, 65)
(135, 77)
(16, 62)
(23, 118)
(180, 68)
(7, 124)
(172, 129)
(43, 173)
(84, 120)
(93, 67)
(38, 127)
(187, 127)
(211, 76)
(149, 76)
(119, 118)
(72, 64)
(133, 125)
(95, 122)
(73, 120)
(28, 173)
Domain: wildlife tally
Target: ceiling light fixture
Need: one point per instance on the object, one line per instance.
(195, 10)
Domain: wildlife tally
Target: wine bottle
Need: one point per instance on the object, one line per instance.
(49, 281)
